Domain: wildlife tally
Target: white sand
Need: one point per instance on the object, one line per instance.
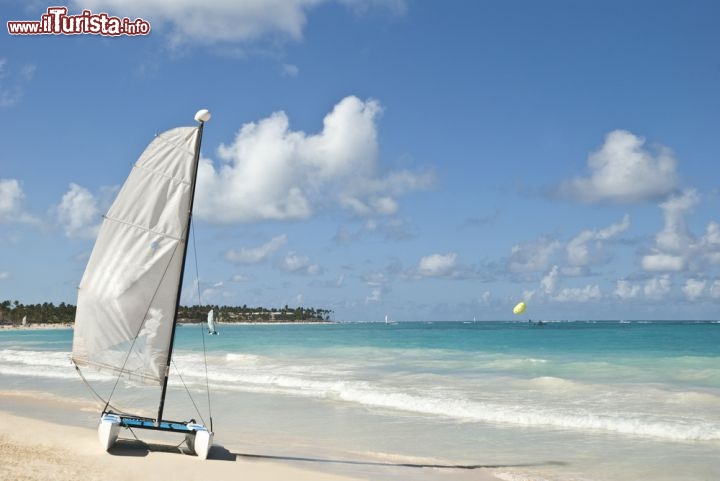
(38, 450)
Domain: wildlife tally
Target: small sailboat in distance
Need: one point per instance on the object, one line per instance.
(129, 294)
(211, 322)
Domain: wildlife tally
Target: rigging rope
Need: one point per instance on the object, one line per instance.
(89, 386)
(188, 391)
(202, 329)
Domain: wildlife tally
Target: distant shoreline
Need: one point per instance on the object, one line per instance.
(247, 323)
(37, 326)
(70, 325)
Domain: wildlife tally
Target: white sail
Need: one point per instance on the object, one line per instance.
(128, 294)
(211, 321)
(24, 321)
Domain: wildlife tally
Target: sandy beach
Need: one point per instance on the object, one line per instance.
(37, 325)
(35, 448)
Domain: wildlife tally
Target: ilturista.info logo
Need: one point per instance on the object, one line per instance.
(57, 22)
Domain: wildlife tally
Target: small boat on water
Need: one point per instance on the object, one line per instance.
(211, 323)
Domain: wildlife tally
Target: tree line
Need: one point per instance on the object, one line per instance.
(13, 312)
(245, 313)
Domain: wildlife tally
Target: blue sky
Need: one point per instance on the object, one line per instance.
(425, 160)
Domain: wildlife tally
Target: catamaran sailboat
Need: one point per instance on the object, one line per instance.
(211, 322)
(129, 294)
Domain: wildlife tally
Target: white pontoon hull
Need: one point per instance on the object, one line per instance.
(197, 437)
(200, 442)
(108, 430)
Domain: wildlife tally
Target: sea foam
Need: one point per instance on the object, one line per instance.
(608, 413)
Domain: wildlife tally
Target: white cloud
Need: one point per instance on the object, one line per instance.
(299, 265)
(676, 248)
(11, 195)
(533, 256)
(375, 295)
(272, 172)
(11, 198)
(254, 255)
(437, 265)
(384, 205)
(392, 228)
(582, 251)
(579, 251)
(614, 229)
(675, 236)
(710, 243)
(528, 296)
(715, 290)
(78, 212)
(225, 20)
(693, 289)
(376, 279)
(211, 22)
(290, 70)
(574, 271)
(379, 191)
(209, 294)
(379, 284)
(622, 170)
(626, 290)
(13, 84)
(663, 263)
(549, 282)
(549, 290)
(712, 235)
(579, 294)
(657, 287)
(4, 275)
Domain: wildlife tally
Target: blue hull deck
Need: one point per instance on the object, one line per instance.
(147, 423)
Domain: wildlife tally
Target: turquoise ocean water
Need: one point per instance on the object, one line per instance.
(590, 401)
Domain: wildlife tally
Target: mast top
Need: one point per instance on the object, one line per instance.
(202, 116)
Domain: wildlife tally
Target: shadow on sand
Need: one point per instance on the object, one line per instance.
(137, 448)
(134, 448)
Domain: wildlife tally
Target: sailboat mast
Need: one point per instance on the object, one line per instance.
(196, 162)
